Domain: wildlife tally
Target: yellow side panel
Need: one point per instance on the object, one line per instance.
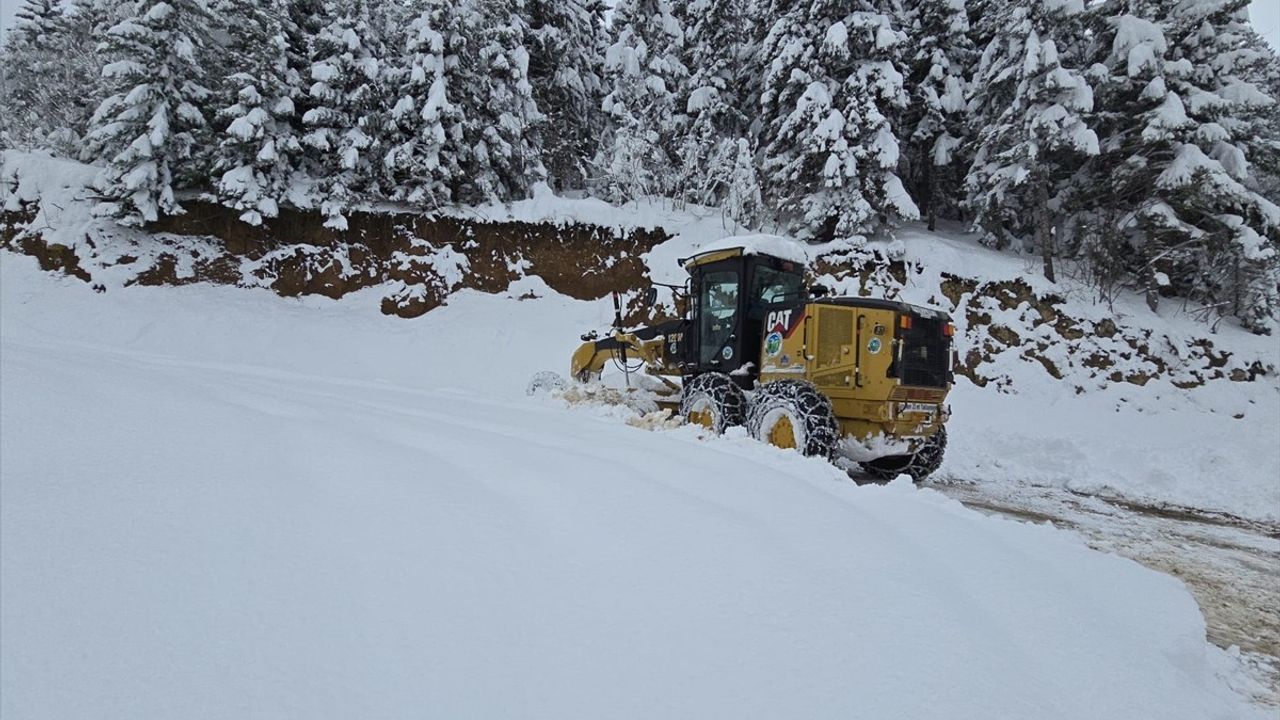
(834, 338)
(876, 348)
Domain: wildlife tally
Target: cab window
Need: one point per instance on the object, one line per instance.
(719, 301)
(770, 286)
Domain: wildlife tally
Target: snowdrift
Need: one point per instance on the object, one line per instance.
(215, 503)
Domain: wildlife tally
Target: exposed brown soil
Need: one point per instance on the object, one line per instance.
(52, 257)
(300, 256)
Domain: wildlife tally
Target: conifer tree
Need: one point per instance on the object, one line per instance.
(424, 158)
(1031, 112)
(151, 126)
(566, 63)
(49, 88)
(348, 125)
(303, 21)
(501, 125)
(1217, 59)
(257, 154)
(834, 83)
(742, 201)
(934, 129)
(714, 97)
(28, 53)
(643, 74)
(1180, 120)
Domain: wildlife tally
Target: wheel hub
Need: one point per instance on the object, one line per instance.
(701, 417)
(783, 434)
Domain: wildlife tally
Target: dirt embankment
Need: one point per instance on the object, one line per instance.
(17, 233)
(420, 258)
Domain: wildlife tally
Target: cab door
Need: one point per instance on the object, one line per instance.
(716, 318)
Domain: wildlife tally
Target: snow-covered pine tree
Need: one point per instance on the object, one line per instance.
(28, 53)
(303, 21)
(1264, 157)
(1030, 113)
(940, 62)
(717, 47)
(147, 129)
(643, 74)
(758, 20)
(49, 87)
(36, 18)
(834, 83)
(424, 158)
(566, 47)
(1174, 198)
(349, 122)
(1216, 59)
(743, 202)
(501, 123)
(257, 154)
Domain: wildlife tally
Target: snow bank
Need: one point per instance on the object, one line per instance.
(546, 206)
(1160, 445)
(216, 503)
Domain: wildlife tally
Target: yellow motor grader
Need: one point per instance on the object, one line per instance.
(859, 378)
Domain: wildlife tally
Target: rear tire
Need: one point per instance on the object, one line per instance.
(920, 465)
(794, 414)
(713, 401)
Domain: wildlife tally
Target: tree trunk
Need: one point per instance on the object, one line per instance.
(1044, 230)
(929, 213)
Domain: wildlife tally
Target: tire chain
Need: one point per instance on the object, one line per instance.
(821, 431)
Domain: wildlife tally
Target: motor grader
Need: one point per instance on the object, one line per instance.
(862, 379)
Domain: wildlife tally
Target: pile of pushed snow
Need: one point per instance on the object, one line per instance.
(215, 503)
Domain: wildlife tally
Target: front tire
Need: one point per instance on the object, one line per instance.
(714, 401)
(920, 465)
(794, 414)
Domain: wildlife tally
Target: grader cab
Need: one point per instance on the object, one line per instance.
(860, 378)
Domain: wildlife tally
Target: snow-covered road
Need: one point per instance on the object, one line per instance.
(214, 504)
(1231, 566)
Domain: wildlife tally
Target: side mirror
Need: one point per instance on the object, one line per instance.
(651, 296)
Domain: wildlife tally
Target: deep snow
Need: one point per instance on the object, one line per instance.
(1211, 448)
(218, 503)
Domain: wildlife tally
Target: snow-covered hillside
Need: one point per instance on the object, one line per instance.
(1056, 388)
(218, 503)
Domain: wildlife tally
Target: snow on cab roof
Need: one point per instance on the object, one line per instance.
(774, 245)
